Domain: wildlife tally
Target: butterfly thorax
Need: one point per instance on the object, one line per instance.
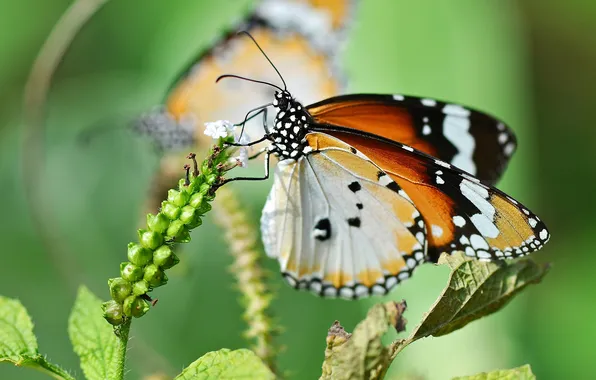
(289, 128)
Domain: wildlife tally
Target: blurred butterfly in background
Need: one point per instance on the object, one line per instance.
(305, 35)
(370, 186)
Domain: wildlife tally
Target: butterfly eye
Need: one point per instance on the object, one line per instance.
(283, 104)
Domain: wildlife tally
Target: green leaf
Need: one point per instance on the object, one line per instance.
(475, 289)
(18, 344)
(93, 339)
(227, 364)
(362, 355)
(520, 373)
(17, 340)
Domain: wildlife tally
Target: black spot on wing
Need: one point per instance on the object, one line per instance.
(354, 186)
(380, 173)
(322, 229)
(353, 150)
(393, 186)
(359, 205)
(354, 222)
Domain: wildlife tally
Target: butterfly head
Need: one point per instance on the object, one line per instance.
(282, 100)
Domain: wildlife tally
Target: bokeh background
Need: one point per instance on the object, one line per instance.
(532, 63)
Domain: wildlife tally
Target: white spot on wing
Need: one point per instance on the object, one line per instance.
(456, 130)
(503, 138)
(483, 255)
(443, 164)
(428, 102)
(437, 231)
(485, 226)
(543, 234)
(391, 282)
(478, 242)
(509, 148)
(479, 198)
(459, 221)
(398, 97)
(456, 110)
(426, 130)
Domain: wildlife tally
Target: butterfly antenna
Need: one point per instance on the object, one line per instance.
(246, 79)
(266, 57)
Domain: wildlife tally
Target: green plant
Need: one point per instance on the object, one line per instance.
(475, 289)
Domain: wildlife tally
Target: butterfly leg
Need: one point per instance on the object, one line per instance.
(257, 154)
(264, 112)
(250, 143)
(266, 176)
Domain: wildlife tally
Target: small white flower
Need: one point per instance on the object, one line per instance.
(242, 157)
(220, 128)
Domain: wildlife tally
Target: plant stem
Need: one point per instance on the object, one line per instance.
(256, 297)
(123, 332)
(41, 364)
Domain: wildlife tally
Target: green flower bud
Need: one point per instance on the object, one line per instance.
(170, 210)
(195, 223)
(176, 228)
(187, 214)
(158, 223)
(138, 255)
(150, 239)
(205, 167)
(113, 313)
(135, 307)
(178, 198)
(140, 288)
(131, 272)
(119, 289)
(196, 200)
(204, 208)
(154, 276)
(211, 179)
(164, 257)
(182, 184)
(184, 236)
(204, 189)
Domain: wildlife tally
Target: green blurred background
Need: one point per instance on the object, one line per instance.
(532, 63)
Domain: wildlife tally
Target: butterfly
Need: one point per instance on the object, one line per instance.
(307, 35)
(370, 186)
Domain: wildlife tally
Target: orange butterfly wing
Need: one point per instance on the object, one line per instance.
(471, 140)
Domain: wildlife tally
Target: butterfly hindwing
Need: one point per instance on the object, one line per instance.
(471, 140)
(338, 224)
(461, 213)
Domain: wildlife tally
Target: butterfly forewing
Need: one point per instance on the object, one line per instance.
(339, 225)
(471, 140)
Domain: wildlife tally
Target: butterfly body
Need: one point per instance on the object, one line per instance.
(289, 128)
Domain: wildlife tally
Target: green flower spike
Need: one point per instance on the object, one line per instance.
(153, 254)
